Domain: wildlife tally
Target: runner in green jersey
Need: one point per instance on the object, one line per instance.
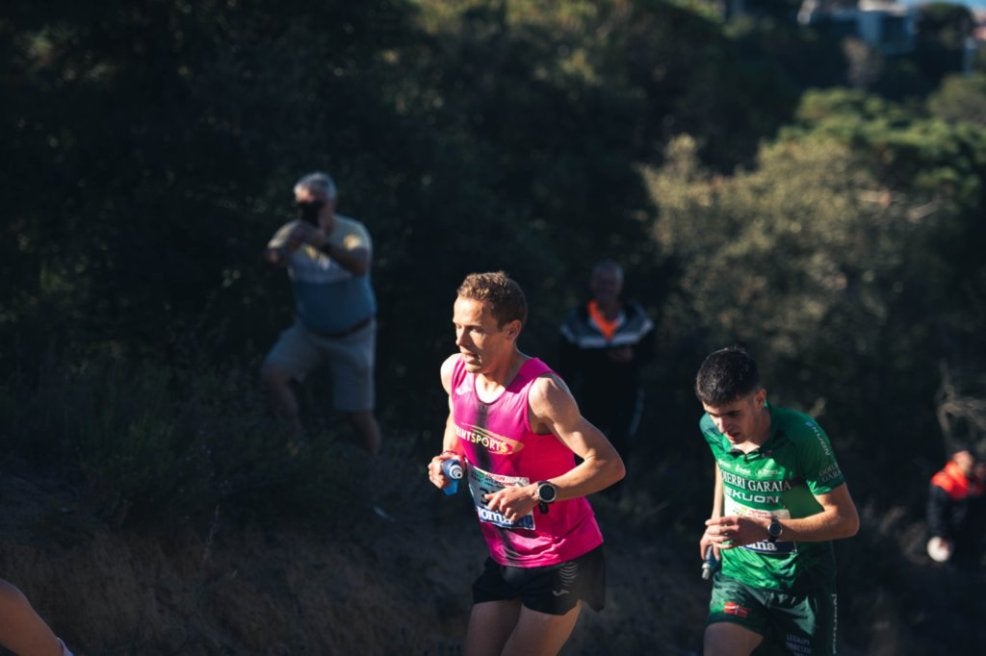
(780, 499)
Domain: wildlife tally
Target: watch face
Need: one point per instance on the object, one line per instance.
(774, 530)
(546, 492)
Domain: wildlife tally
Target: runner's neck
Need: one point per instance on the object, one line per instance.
(490, 386)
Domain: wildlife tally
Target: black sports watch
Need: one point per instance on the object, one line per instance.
(774, 530)
(547, 493)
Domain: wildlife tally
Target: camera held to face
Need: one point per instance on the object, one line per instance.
(308, 210)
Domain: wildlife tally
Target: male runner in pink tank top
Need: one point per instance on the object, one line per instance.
(517, 428)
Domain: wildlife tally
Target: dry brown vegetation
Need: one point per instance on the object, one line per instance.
(365, 585)
(362, 584)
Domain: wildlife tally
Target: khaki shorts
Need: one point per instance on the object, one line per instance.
(350, 359)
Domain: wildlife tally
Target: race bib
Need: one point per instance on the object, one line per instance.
(482, 483)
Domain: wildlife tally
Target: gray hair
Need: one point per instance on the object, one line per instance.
(318, 183)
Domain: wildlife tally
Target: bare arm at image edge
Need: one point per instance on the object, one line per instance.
(22, 630)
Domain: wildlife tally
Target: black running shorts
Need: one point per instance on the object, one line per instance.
(554, 589)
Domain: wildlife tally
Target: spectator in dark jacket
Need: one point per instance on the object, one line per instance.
(604, 344)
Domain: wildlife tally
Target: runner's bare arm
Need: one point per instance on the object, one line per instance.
(449, 440)
(717, 494)
(707, 538)
(553, 409)
(837, 519)
(446, 373)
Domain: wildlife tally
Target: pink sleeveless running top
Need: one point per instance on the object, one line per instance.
(501, 449)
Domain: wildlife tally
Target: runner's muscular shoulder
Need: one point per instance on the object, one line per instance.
(553, 408)
(446, 371)
(449, 440)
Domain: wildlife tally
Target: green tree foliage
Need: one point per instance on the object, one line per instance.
(158, 132)
(961, 98)
(155, 146)
(845, 258)
(149, 151)
(835, 258)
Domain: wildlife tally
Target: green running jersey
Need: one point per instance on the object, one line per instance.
(780, 478)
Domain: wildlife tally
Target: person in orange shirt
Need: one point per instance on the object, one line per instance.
(604, 344)
(954, 512)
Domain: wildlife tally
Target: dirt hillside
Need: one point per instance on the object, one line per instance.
(369, 585)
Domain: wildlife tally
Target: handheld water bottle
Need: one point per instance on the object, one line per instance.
(452, 468)
(709, 564)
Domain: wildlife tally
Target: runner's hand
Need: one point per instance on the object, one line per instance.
(708, 540)
(435, 473)
(513, 501)
(734, 531)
